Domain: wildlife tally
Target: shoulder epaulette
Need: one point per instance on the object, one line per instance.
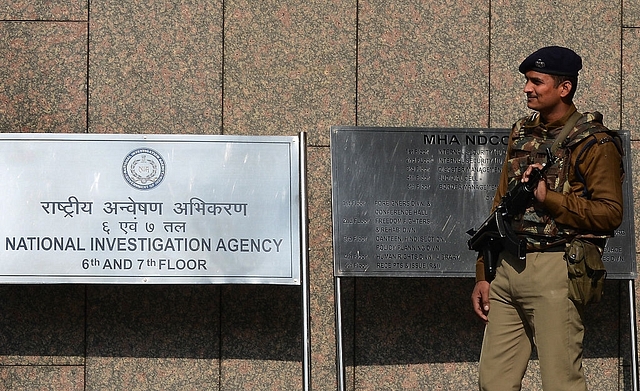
(588, 124)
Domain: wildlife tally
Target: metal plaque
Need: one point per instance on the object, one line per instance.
(149, 209)
(404, 198)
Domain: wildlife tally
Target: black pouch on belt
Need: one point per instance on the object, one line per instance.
(586, 271)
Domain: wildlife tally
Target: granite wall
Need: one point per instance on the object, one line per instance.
(278, 68)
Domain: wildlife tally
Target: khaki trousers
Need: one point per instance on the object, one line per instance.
(530, 307)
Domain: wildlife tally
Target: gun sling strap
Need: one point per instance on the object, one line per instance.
(571, 122)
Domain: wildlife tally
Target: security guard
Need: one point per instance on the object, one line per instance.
(528, 303)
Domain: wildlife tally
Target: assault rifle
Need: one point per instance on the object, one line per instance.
(496, 233)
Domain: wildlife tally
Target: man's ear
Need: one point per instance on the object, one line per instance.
(565, 88)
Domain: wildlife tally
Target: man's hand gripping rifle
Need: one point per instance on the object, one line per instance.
(496, 233)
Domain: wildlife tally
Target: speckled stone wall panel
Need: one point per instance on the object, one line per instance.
(631, 13)
(423, 63)
(631, 82)
(323, 325)
(151, 374)
(43, 77)
(261, 337)
(153, 337)
(42, 325)
(323, 343)
(606, 347)
(289, 67)
(155, 66)
(591, 28)
(29, 378)
(408, 336)
(348, 303)
(56, 10)
(416, 334)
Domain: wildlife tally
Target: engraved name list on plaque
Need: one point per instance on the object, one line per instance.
(404, 198)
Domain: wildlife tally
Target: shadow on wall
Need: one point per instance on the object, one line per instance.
(394, 320)
(176, 321)
(430, 320)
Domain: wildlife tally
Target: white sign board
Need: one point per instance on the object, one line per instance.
(149, 209)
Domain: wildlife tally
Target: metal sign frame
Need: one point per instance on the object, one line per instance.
(166, 209)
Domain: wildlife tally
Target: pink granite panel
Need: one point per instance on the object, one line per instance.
(261, 338)
(592, 30)
(155, 67)
(43, 76)
(321, 269)
(415, 334)
(635, 151)
(631, 82)
(631, 122)
(631, 13)
(158, 337)
(55, 10)
(423, 63)
(42, 325)
(635, 159)
(421, 334)
(289, 67)
(29, 378)
(151, 374)
(606, 343)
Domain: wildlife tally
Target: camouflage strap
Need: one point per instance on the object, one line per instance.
(571, 122)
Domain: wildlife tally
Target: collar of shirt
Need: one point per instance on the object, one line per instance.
(554, 128)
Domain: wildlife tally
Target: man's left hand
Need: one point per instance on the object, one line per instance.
(540, 192)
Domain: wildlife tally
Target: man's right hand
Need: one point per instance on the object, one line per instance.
(480, 299)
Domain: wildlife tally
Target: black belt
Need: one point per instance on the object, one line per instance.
(554, 249)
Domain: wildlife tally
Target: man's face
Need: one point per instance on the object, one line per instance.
(542, 93)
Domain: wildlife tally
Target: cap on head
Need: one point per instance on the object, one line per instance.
(553, 60)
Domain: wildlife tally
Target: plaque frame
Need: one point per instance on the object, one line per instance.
(223, 209)
(401, 207)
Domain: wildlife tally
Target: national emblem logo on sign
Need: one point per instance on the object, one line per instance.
(143, 168)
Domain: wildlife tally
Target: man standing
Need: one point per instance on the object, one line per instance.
(529, 302)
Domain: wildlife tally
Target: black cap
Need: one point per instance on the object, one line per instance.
(553, 60)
